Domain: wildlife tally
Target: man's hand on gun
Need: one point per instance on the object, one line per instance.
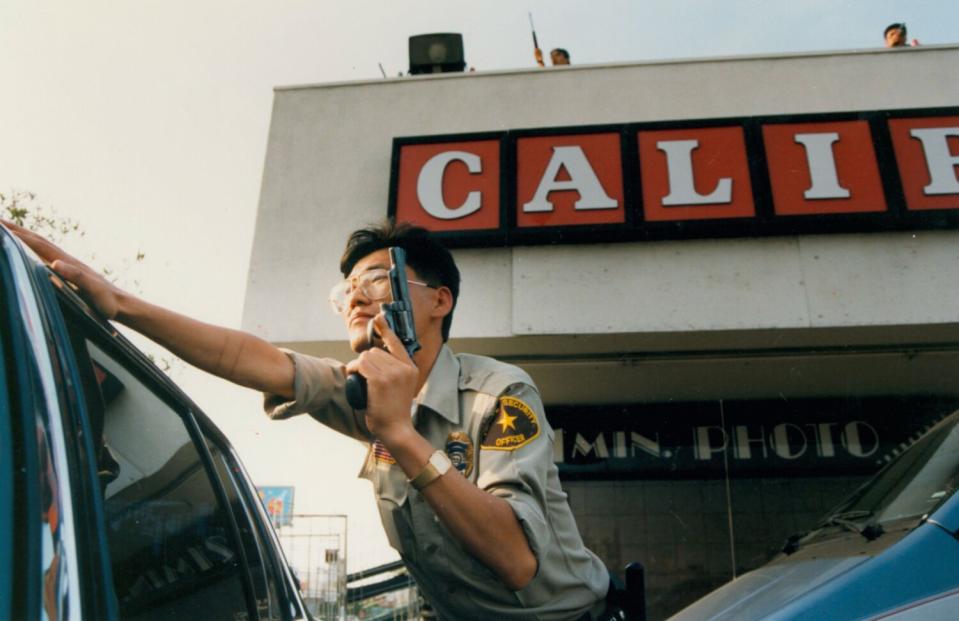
(96, 289)
(391, 379)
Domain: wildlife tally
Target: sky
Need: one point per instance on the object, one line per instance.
(146, 121)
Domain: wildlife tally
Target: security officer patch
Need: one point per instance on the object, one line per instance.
(515, 425)
(459, 448)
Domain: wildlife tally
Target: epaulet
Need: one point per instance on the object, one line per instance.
(490, 376)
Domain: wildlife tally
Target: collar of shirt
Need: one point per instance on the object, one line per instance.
(440, 393)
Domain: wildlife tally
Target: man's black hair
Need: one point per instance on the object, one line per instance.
(424, 254)
(561, 51)
(896, 26)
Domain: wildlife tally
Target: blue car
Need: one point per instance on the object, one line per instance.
(890, 551)
(119, 499)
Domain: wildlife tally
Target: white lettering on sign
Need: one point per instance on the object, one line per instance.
(682, 187)
(860, 439)
(703, 447)
(582, 179)
(744, 443)
(940, 162)
(582, 447)
(787, 441)
(822, 166)
(788, 445)
(742, 448)
(824, 444)
(429, 185)
(637, 442)
(558, 456)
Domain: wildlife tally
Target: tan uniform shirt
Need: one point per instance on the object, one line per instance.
(489, 419)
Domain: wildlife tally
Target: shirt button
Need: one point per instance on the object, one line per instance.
(431, 548)
(451, 589)
(436, 519)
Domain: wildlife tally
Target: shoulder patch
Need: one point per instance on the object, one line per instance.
(514, 425)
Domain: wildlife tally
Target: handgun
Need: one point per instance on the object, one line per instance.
(399, 316)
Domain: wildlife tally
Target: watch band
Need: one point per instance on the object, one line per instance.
(438, 465)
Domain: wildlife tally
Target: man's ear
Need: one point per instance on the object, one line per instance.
(444, 302)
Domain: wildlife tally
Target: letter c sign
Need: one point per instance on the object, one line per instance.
(449, 186)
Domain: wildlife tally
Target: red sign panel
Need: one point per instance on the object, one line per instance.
(450, 186)
(927, 152)
(823, 173)
(823, 168)
(569, 180)
(695, 174)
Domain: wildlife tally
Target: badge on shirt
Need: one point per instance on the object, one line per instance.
(459, 448)
(514, 425)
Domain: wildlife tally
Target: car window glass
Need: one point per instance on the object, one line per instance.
(170, 542)
(932, 484)
(258, 559)
(54, 551)
(916, 483)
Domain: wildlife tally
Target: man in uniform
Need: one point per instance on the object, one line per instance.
(460, 450)
(895, 36)
(559, 56)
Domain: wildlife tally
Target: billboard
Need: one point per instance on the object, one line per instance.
(278, 501)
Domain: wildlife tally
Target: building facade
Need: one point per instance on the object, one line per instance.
(734, 280)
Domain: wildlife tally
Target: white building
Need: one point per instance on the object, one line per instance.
(688, 310)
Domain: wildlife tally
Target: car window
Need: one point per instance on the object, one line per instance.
(170, 541)
(266, 582)
(919, 481)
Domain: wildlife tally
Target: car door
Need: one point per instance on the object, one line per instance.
(52, 505)
(184, 540)
(143, 509)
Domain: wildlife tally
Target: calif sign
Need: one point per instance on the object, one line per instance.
(730, 177)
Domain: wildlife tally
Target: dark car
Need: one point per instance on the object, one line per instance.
(890, 551)
(119, 499)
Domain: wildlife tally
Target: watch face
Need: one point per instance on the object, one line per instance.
(440, 461)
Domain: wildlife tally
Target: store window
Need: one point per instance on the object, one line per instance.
(702, 492)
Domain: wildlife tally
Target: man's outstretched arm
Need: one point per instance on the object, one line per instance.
(237, 356)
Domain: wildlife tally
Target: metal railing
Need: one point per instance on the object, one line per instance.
(392, 597)
(315, 546)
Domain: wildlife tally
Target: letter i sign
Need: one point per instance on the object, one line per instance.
(822, 168)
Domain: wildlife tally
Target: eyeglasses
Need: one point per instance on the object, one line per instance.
(374, 284)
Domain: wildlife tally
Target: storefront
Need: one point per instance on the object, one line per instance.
(733, 280)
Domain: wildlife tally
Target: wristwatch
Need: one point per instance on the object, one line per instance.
(438, 465)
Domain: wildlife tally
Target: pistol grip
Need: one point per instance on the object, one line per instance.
(356, 391)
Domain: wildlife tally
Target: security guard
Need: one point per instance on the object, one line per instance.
(461, 454)
(460, 451)
(485, 421)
